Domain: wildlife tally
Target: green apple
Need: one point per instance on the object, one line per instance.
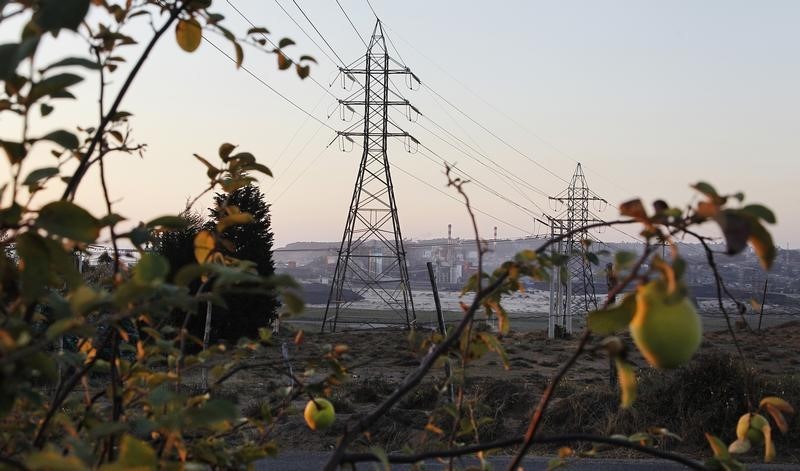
(319, 414)
(666, 331)
(755, 433)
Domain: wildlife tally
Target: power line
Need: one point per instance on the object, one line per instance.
(524, 231)
(310, 164)
(351, 23)
(506, 143)
(305, 33)
(273, 90)
(266, 38)
(373, 10)
(485, 187)
(504, 114)
(285, 171)
(506, 174)
(320, 34)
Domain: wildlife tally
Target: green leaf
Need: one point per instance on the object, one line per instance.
(14, 53)
(211, 170)
(54, 15)
(61, 326)
(45, 109)
(15, 151)
(761, 212)
(239, 53)
(8, 60)
(73, 61)
(294, 303)
(63, 138)
(285, 42)
(494, 345)
(302, 70)
(52, 459)
(225, 151)
(51, 86)
(188, 273)
(40, 174)
(11, 215)
(111, 220)
(41, 365)
(84, 300)
(169, 222)
(34, 270)
(212, 412)
(615, 318)
(736, 227)
(257, 30)
(151, 268)
(707, 190)
(243, 158)
(69, 220)
(718, 447)
(135, 454)
(189, 34)
(380, 453)
(624, 259)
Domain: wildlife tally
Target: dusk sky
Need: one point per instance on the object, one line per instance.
(649, 96)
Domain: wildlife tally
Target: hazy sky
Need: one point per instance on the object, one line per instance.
(649, 96)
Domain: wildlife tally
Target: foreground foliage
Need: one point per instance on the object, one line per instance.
(98, 373)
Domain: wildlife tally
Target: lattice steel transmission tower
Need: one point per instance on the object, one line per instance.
(371, 257)
(572, 289)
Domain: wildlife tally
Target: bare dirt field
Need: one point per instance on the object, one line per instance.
(709, 394)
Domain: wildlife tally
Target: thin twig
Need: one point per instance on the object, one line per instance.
(562, 439)
(83, 165)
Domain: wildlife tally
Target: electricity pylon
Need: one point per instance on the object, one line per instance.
(372, 258)
(572, 286)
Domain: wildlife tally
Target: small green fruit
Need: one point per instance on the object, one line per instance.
(319, 414)
(667, 332)
(756, 431)
(755, 436)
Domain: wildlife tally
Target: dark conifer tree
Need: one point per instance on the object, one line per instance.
(246, 312)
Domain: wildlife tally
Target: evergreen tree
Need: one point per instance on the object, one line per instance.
(178, 246)
(246, 312)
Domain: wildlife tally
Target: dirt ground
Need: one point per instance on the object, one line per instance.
(704, 396)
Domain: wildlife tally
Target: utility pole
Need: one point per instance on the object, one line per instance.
(371, 257)
(572, 289)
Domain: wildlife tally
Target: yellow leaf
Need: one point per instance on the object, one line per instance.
(777, 403)
(743, 426)
(627, 383)
(188, 34)
(769, 447)
(434, 429)
(234, 219)
(203, 245)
